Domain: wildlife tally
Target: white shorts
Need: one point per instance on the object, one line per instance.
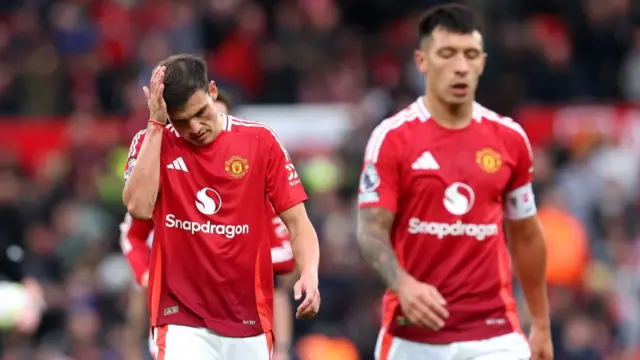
(512, 346)
(176, 342)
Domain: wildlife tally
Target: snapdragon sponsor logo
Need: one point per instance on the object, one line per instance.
(228, 231)
(458, 228)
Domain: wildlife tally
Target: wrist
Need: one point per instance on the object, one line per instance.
(540, 323)
(282, 348)
(155, 124)
(309, 271)
(402, 278)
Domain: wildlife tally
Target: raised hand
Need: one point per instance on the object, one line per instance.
(153, 94)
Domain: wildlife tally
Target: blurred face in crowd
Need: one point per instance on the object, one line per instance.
(197, 120)
(453, 63)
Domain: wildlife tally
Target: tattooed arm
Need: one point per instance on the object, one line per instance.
(374, 227)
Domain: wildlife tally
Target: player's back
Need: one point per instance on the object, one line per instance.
(211, 264)
(449, 214)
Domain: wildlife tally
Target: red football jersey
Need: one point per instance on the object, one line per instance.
(210, 260)
(449, 190)
(136, 238)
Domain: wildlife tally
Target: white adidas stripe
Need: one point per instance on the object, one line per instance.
(249, 123)
(372, 151)
(178, 164)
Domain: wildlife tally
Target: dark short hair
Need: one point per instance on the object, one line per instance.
(185, 74)
(456, 18)
(224, 98)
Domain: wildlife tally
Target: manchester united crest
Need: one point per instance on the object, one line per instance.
(489, 160)
(236, 167)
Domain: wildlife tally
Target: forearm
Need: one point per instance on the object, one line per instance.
(378, 253)
(282, 320)
(306, 249)
(529, 259)
(141, 190)
(376, 249)
(137, 319)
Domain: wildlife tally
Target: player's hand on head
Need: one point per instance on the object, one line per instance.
(153, 94)
(422, 304)
(306, 289)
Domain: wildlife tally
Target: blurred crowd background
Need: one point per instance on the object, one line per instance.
(71, 73)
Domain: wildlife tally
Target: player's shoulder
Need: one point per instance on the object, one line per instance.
(238, 125)
(402, 120)
(395, 128)
(501, 126)
(263, 133)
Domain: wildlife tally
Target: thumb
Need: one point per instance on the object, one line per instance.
(297, 290)
(146, 91)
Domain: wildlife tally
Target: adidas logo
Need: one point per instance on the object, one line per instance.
(178, 164)
(426, 161)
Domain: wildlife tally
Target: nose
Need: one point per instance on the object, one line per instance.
(194, 126)
(461, 65)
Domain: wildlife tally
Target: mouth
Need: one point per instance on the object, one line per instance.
(460, 89)
(200, 136)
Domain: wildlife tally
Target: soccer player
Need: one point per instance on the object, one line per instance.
(206, 180)
(438, 179)
(136, 237)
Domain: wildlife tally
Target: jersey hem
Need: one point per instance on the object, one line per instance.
(449, 337)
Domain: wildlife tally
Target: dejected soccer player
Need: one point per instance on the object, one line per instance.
(206, 181)
(136, 238)
(438, 180)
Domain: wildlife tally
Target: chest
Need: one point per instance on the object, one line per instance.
(217, 180)
(476, 168)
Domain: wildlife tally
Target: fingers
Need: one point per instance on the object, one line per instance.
(157, 81)
(428, 309)
(297, 290)
(307, 303)
(438, 297)
(154, 94)
(309, 306)
(423, 316)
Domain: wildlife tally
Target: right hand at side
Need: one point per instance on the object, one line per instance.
(153, 94)
(421, 303)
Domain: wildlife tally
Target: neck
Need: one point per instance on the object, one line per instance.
(218, 124)
(449, 116)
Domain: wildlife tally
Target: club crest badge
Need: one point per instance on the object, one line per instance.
(489, 160)
(236, 167)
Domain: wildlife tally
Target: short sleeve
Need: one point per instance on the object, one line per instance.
(379, 180)
(284, 187)
(134, 151)
(519, 198)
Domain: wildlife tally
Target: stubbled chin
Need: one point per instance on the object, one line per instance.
(204, 142)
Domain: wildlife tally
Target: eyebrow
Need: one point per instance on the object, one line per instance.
(200, 111)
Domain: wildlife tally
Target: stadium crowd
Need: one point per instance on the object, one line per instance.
(80, 61)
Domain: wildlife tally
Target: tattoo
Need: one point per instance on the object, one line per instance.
(374, 226)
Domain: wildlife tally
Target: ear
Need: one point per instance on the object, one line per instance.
(419, 57)
(213, 90)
